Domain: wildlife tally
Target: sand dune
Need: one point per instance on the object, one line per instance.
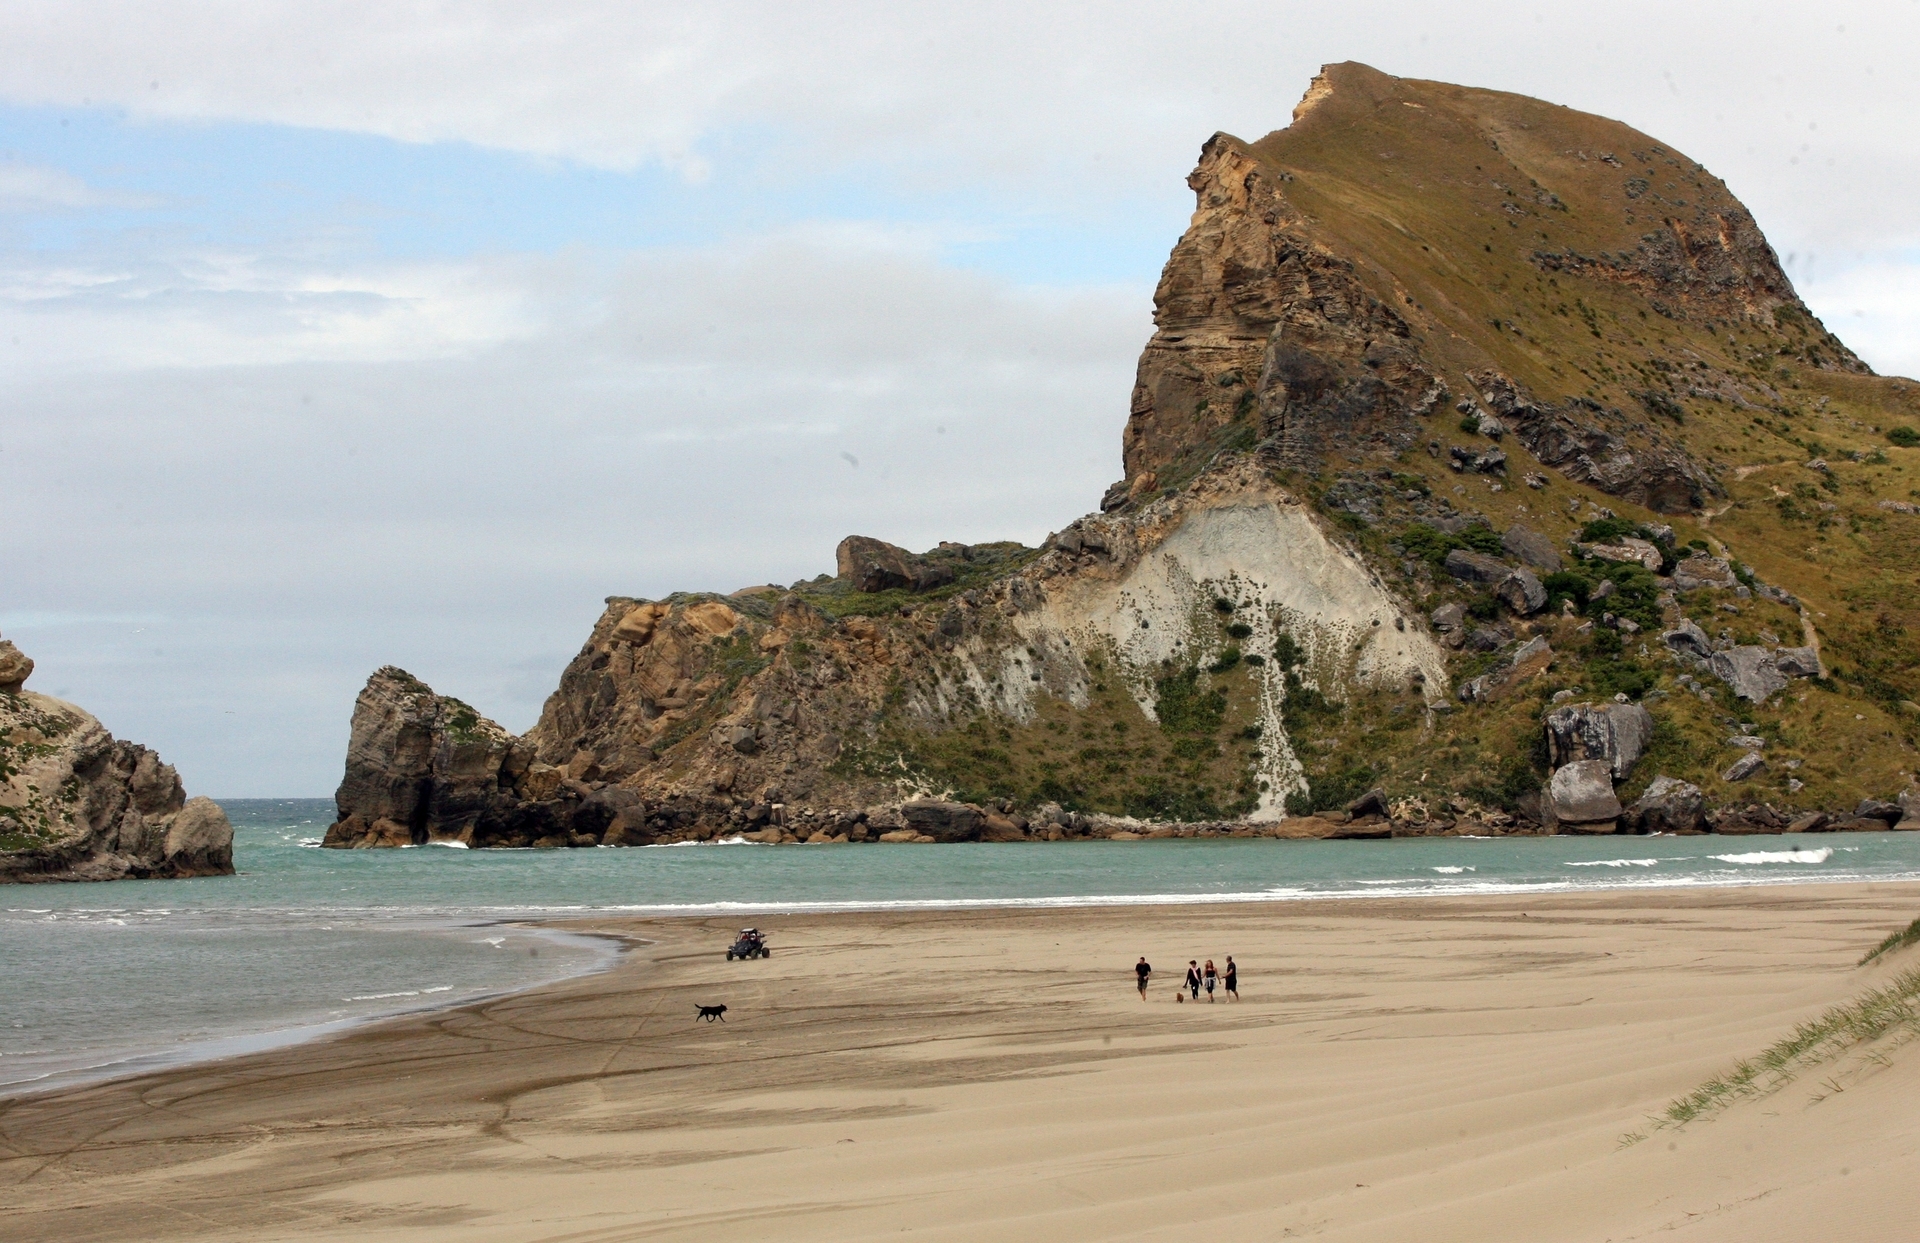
(1438, 1069)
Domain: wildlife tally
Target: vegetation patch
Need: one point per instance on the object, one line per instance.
(1881, 1012)
(1895, 941)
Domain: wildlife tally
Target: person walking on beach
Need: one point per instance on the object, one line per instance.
(1233, 979)
(1193, 978)
(1212, 978)
(1141, 971)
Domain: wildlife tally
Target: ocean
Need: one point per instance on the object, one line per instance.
(115, 978)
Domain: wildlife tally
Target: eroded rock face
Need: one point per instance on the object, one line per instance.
(78, 804)
(1261, 327)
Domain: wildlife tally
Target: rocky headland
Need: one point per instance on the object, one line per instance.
(1484, 474)
(77, 804)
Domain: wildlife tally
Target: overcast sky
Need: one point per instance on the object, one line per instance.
(342, 334)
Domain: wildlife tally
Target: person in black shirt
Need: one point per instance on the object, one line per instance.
(1193, 977)
(1232, 979)
(1141, 971)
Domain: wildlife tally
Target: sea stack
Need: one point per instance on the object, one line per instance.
(77, 804)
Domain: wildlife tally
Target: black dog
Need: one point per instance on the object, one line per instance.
(710, 1013)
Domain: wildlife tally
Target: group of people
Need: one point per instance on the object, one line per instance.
(1198, 977)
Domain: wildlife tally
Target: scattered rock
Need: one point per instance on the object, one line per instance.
(1488, 638)
(1752, 742)
(1744, 767)
(1449, 617)
(1521, 592)
(1689, 641)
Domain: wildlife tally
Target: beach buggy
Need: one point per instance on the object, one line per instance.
(750, 944)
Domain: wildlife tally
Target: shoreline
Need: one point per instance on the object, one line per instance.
(611, 948)
(1456, 1069)
(586, 925)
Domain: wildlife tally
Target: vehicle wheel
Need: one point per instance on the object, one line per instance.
(729, 955)
(766, 953)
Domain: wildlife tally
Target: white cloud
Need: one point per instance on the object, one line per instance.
(1061, 105)
(1875, 308)
(654, 422)
(32, 188)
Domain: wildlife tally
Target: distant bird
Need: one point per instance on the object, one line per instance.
(851, 460)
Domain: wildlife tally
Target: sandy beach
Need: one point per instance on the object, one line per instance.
(1435, 1069)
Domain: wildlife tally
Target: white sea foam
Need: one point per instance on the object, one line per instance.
(1452, 871)
(1819, 855)
(1612, 863)
(450, 845)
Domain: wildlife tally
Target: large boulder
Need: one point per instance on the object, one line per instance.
(1474, 567)
(875, 565)
(1688, 642)
(1528, 545)
(1750, 671)
(1583, 797)
(944, 821)
(1667, 806)
(1614, 732)
(1700, 571)
(1521, 591)
(78, 804)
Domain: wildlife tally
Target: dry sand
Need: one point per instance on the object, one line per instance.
(1440, 1069)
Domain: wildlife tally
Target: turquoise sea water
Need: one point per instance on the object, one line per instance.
(102, 978)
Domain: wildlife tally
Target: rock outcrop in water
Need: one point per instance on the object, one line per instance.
(1458, 406)
(76, 804)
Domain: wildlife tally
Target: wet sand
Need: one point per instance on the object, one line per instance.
(1434, 1069)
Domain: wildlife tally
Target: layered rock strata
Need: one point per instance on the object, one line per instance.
(78, 804)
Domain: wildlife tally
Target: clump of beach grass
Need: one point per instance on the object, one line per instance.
(1890, 1011)
(1896, 941)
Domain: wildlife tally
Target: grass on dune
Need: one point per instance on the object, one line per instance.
(1890, 1011)
(1895, 941)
